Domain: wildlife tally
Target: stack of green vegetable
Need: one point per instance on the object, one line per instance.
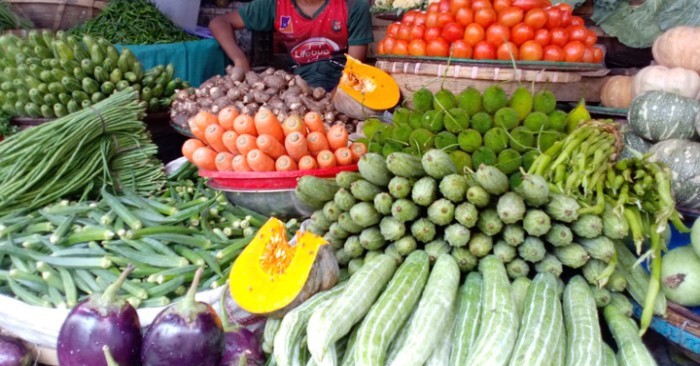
(59, 254)
(51, 76)
(410, 315)
(10, 20)
(475, 128)
(105, 145)
(6, 128)
(133, 22)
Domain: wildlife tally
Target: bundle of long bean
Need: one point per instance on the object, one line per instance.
(10, 20)
(133, 22)
(106, 144)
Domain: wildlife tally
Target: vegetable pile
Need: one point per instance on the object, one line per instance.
(282, 93)
(6, 128)
(527, 30)
(397, 314)
(51, 76)
(474, 128)
(10, 20)
(105, 145)
(133, 22)
(59, 254)
(238, 142)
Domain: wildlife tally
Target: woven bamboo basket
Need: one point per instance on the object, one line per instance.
(57, 14)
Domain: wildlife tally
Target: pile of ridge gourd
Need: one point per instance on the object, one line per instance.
(475, 128)
(535, 270)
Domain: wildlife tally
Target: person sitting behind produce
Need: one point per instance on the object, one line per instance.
(316, 33)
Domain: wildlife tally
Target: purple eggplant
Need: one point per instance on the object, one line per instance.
(236, 315)
(98, 321)
(242, 348)
(186, 333)
(13, 352)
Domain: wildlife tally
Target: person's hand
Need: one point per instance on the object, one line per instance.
(242, 63)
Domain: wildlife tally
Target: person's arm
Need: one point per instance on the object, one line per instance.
(358, 52)
(223, 29)
(359, 29)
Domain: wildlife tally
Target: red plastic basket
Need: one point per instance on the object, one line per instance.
(268, 180)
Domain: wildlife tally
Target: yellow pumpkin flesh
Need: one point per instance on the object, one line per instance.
(364, 90)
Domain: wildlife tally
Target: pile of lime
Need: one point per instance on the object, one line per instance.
(475, 128)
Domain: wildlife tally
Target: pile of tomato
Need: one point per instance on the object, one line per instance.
(528, 30)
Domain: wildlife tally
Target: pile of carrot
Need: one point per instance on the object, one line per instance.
(231, 141)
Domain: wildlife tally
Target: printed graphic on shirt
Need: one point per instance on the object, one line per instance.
(337, 26)
(286, 25)
(314, 49)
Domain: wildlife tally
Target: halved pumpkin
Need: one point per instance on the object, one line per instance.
(365, 90)
(272, 275)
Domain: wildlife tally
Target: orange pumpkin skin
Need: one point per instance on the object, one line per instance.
(678, 47)
(617, 92)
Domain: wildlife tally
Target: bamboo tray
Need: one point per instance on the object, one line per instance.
(58, 14)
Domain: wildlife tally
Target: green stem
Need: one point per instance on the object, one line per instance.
(654, 281)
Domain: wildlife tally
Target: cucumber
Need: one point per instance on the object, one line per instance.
(499, 322)
(541, 324)
(438, 164)
(424, 191)
(89, 85)
(60, 110)
(32, 110)
(631, 351)
(364, 214)
(294, 323)
(373, 168)
(363, 190)
(391, 310)
(405, 165)
(70, 83)
(321, 188)
(581, 319)
(108, 88)
(345, 178)
(329, 325)
(101, 75)
(430, 321)
(466, 319)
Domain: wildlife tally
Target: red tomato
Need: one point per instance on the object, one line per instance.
(536, 18)
(553, 17)
(531, 4)
(573, 51)
(444, 6)
(389, 43)
(553, 53)
(511, 16)
(481, 4)
(559, 36)
(531, 51)
(417, 47)
(455, 5)
(577, 33)
(598, 55)
(565, 19)
(474, 34)
(542, 37)
(507, 50)
(409, 17)
(588, 55)
(566, 8)
(431, 19)
(464, 16)
(400, 48)
(432, 33)
(444, 18)
(485, 17)
(417, 31)
(438, 48)
(521, 33)
(499, 5)
(432, 8)
(393, 29)
(460, 49)
(576, 20)
(404, 32)
(591, 38)
(420, 18)
(452, 32)
(484, 51)
(496, 34)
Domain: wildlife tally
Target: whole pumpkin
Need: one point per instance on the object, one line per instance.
(678, 47)
(617, 92)
(675, 80)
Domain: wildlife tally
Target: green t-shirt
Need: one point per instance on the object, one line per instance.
(259, 16)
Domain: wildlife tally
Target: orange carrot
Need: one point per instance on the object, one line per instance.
(204, 158)
(240, 164)
(358, 149)
(316, 142)
(294, 123)
(203, 119)
(343, 156)
(270, 146)
(245, 143)
(189, 147)
(214, 135)
(224, 162)
(243, 124)
(227, 116)
(307, 163)
(314, 122)
(337, 137)
(285, 163)
(259, 161)
(296, 145)
(267, 123)
(195, 130)
(229, 140)
(326, 159)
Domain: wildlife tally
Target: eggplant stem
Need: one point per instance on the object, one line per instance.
(188, 307)
(111, 292)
